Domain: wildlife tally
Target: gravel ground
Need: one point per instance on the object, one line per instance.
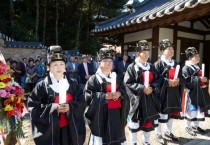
(178, 130)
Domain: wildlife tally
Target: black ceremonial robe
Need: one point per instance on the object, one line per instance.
(143, 108)
(104, 122)
(198, 95)
(45, 118)
(170, 97)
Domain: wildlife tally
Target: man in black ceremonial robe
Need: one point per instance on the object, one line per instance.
(57, 106)
(171, 90)
(197, 99)
(142, 82)
(108, 104)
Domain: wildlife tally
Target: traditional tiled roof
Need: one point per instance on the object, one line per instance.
(148, 11)
(21, 44)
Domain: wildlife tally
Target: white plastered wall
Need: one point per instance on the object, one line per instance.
(145, 34)
(207, 37)
(184, 24)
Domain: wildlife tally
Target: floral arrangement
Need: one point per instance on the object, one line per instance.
(11, 102)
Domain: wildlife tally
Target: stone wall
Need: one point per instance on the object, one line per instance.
(18, 53)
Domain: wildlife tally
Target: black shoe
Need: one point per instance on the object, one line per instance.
(160, 139)
(198, 129)
(171, 136)
(190, 131)
(145, 143)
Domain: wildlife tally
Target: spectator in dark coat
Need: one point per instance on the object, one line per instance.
(129, 58)
(23, 74)
(84, 70)
(122, 67)
(115, 59)
(72, 68)
(17, 72)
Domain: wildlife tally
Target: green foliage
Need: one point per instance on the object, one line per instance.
(70, 14)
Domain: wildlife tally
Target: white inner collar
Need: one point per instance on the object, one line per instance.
(144, 67)
(58, 86)
(100, 73)
(168, 62)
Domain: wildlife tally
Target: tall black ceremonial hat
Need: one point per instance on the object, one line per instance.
(191, 51)
(142, 45)
(165, 43)
(55, 53)
(104, 53)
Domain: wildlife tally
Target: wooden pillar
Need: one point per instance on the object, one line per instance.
(122, 44)
(155, 42)
(175, 41)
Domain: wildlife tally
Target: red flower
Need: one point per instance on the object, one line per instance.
(7, 101)
(7, 80)
(14, 102)
(10, 113)
(18, 91)
(20, 108)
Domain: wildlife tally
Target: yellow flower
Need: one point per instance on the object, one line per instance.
(19, 99)
(12, 98)
(2, 77)
(8, 108)
(2, 85)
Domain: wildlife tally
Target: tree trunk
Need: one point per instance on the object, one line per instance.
(78, 31)
(89, 17)
(12, 17)
(56, 23)
(79, 25)
(44, 22)
(37, 20)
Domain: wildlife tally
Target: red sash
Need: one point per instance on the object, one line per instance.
(151, 77)
(171, 73)
(63, 121)
(113, 104)
(147, 124)
(202, 83)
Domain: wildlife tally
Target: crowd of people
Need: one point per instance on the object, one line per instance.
(27, 72)
(114, 92)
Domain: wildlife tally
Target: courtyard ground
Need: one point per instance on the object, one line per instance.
(178, 130)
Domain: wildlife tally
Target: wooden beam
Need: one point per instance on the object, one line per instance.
(199, 41)
(186, 29)
(207, 21)
(175, 39)
(204, 24)
(200, 18)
